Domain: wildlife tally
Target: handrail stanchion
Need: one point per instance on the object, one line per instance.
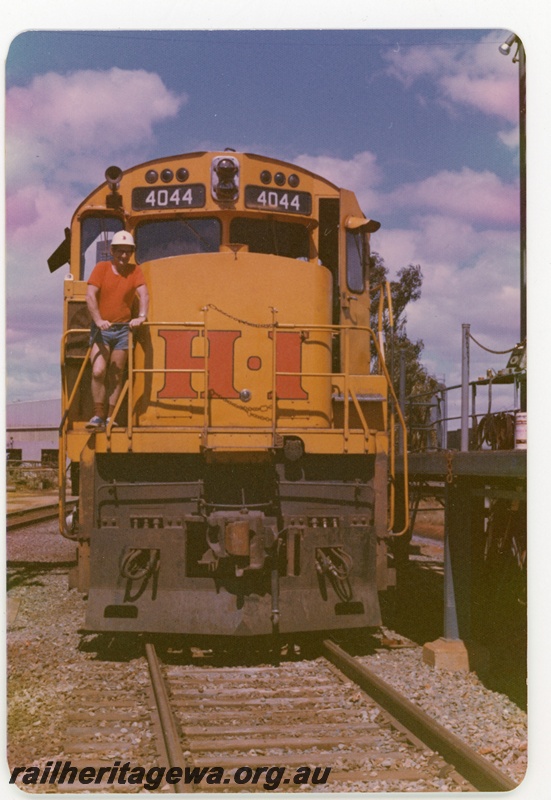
(346, 387)
(392, 465)
(445, 418)
(402, 395)
(129, 430)
(62, 430)
(206, 420)
(403, 424)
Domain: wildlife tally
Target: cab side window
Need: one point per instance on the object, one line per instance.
(95, 241)
(356, 258)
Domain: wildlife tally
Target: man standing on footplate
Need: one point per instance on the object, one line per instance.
(112, 288)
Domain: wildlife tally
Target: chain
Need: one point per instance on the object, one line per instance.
(241, 321)
(496, 352)
(248, 410)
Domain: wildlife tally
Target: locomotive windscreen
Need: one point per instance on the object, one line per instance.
(177, 237)
(286, 239)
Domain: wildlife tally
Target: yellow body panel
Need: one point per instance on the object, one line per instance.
(211, 290)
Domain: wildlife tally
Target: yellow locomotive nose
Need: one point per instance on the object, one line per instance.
(239, 366)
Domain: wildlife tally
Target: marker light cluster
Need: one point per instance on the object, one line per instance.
(279, 178)
(167, 175)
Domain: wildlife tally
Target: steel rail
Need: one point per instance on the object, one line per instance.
(28, 516)
(166, 717)
(481, 773)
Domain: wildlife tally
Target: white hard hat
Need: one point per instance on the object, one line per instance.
(123, 237)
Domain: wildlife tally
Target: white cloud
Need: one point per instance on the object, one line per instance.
(361, 174)
(61, 133)
(58, 124)
(471, 75)
(63, 130)
(474, 197)
(477, 197)
(432, 237)
(493, 95)
(510, 138)
(484, 292)
(33, 214)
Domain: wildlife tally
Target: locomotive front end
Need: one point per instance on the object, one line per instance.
(241, 488)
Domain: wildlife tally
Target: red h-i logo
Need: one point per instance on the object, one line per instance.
(221, 364)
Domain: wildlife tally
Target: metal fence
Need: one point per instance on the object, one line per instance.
(428, 413)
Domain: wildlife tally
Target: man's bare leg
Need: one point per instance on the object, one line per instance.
(116, 374)
(100, 360)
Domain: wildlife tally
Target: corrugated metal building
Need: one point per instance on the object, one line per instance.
(32, 431)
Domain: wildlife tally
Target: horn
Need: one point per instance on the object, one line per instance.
(113, 176)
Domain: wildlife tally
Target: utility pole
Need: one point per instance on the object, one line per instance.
(520, 59)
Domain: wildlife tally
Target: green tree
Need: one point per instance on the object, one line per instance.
(404, 290)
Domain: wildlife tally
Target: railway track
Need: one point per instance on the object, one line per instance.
(328, 721)
(201, 718)
(30, 516)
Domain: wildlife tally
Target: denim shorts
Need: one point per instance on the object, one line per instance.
(115, 337)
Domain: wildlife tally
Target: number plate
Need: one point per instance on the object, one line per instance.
(278, 200)
(148, 197)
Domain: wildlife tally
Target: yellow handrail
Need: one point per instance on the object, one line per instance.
(385, 290)
(392, 458)
(65, 410)
(348, 392)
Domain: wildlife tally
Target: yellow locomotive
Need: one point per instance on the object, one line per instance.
(241, 487)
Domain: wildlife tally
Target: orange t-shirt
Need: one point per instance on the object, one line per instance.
(116, 291)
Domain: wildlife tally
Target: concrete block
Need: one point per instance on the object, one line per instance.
(456, 655)
(13, 609)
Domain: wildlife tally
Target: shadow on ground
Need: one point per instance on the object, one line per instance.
(498, 622)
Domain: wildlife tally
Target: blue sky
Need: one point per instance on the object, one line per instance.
(422, 124)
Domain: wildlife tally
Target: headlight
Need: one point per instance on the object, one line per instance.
(225, 178)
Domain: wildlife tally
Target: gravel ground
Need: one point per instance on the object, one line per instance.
(487, 721)
(47, 657)
(44, 663)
